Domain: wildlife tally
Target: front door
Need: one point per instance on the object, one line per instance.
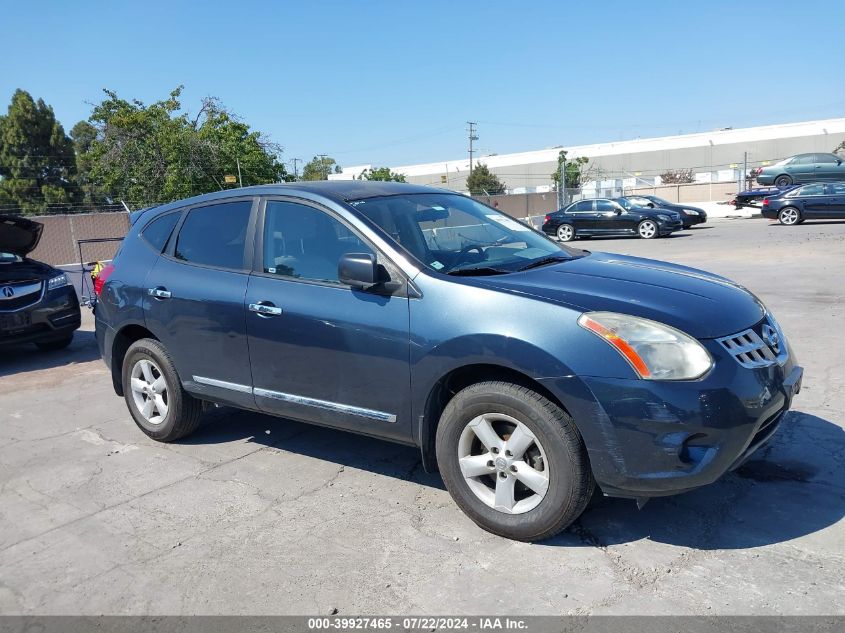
(815, 201)
(194, 300)
(321, 351)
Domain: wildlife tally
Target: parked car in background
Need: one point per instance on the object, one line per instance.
(422, 316)
(606, 217)
(690, 215)
(817, 201)
(37, 304)
(802, 168)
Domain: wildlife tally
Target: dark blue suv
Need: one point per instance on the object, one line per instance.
(526, 371)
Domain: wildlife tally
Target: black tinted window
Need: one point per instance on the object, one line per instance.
(303, 242)
(215, 235)
(157, 232)
(811, 190)
(584, 205)
(836, 189)
(605, 205)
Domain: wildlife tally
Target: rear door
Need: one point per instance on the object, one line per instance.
(814, 200)
(194, 299)
(320, 350)
(803, 168)
(582, 216)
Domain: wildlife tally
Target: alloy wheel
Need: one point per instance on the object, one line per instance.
(565, 233)
(149, 391)
(503, 463)
(647, 229)
(789, 216)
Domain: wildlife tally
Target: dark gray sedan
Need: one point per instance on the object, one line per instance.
(802, 168)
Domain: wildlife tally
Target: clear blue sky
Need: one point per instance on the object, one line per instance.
(393, 83)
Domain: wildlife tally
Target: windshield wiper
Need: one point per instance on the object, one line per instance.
(544, 261)
(478, 270)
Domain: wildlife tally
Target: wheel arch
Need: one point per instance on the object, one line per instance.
(123, 339)
(454, 381)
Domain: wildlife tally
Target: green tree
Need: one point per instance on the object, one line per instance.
(319, 168)
(84, 134)
(483, 181)
(37, 164)
(157, 153)
(574, 171)
(382, 173)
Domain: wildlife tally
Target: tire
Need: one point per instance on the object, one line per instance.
(647, 229)
(173, 413)
(789, 216)
(783, 181)
(555, 461)
(55, 345)
(565, 233)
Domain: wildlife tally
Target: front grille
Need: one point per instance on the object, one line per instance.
(15, 296)
(761, 346)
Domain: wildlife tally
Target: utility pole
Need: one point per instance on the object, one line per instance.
(744, 173)
(295, 173)
(323, 169)
(561, 189)
(240, 180)
(472, 137)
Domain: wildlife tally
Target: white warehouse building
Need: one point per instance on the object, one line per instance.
(717, 156)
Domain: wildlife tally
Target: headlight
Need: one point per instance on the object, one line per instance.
(655, 351)
(665, 218)
(59, 281)
(690, 212)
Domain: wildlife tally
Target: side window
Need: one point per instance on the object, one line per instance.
(215, 235)
(605, 205)
(836, 189)
(825, 158)
(811, 190)
(805, 159)
(157, 232)
(584, 205)
(306, 243)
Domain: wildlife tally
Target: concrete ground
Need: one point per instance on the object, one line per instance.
(256, 515)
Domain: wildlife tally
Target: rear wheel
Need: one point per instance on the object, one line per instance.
(789, 216)
(783, 181)
(153, 392)
(513, 461)
(647, 229)
(52, 346)
(565, 233)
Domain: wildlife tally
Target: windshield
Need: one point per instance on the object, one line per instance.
(628, 203)
(452, 232)
(8, 258)
(659, 201)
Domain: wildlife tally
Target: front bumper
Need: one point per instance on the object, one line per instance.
(692, 220)
(651, 438)
(54, 316)
(667, 228)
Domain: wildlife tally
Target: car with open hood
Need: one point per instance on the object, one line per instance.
(37, 303)
(690, 215)
(526, 371)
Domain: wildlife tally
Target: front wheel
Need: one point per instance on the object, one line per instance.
(513, 461)
(647, 229)
(789, 216)
(153, 392)
(565, 233)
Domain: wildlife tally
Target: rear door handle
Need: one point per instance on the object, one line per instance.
(265, 308)
(159, 293)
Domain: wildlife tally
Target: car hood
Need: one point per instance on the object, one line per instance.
(648, 211)
(24, 271)
(696, 302)
(19, 235)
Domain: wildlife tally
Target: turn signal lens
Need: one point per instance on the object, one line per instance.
(654, 350)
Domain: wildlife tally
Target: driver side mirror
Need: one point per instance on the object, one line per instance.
(359, 270)
(651, 205)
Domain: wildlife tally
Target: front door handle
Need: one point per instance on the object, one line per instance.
(159, 293)
(265, 308)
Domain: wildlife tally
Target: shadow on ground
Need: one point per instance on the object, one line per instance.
(791, 489)
(17, 359)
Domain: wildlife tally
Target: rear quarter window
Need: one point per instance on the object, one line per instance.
(157, 232)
